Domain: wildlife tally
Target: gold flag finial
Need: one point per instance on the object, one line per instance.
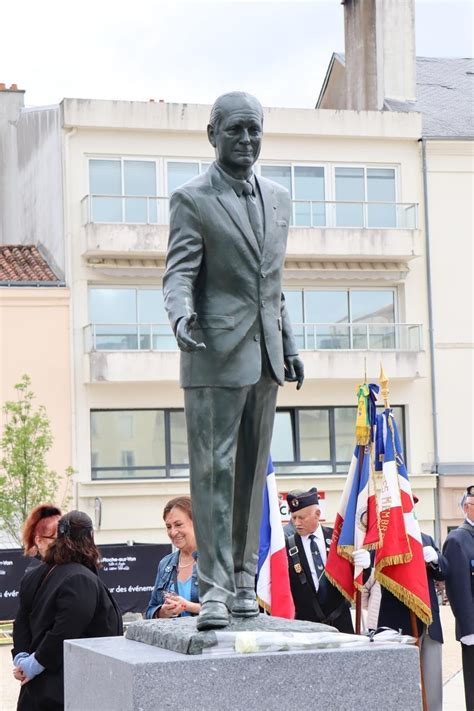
(384, 387)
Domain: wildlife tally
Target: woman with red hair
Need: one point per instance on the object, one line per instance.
(63, 598)
(40, 529)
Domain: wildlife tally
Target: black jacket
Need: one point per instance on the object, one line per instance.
(393, 613)
(459, 550)
(336, 609)
(57, 603)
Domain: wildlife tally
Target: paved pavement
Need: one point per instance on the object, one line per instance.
(453, 694)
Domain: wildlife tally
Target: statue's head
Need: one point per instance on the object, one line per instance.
(235, 130)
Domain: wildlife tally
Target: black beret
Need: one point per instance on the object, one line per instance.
(301, 499)
(470, 490)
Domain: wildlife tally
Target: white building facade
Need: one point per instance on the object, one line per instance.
(354, 283)
(362, 285)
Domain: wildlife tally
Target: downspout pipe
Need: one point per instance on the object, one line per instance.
(434, 413)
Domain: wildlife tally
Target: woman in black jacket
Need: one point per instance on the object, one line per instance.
(61, 599)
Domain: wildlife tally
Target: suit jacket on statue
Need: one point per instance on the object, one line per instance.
(216, 268)
(304, 594)
(393, 613)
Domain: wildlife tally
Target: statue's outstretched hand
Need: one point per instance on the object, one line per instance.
(294, 370)
(183, 334)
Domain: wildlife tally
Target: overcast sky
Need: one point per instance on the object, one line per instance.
(193, 51)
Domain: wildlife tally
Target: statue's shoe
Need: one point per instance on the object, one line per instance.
(212, 615)
(245, 603)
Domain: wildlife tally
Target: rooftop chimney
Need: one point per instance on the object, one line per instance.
(379, 40)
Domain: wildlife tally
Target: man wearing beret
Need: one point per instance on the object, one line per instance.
(459, 550)
(315, 598)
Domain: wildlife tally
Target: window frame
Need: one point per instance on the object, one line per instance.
(170, 159)
(168, 468)
(348, 290)
(121, 159)
(333, 463)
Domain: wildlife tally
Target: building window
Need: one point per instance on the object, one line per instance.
(309, 440)
(318, 440)
(181, 172)
(365, 197)
(155, 446)
(305, 183)
(129, 318)
(343, 318)
(123, 190)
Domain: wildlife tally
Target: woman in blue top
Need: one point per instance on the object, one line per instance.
(176, 587)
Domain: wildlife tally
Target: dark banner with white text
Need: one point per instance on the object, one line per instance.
(128, 571)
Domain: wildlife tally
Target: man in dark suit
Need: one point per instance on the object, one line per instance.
(315, 598)
(393, 613)
(222, 289)
(459, 550)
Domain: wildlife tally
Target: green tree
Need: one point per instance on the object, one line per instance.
(25, 478)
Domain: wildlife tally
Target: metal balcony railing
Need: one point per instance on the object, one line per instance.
(125, 209)
(348, 214)
(154, 210)
(309, 336)
(129, 337)
(358, 336)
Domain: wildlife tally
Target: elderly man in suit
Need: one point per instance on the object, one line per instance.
(222, 289)
(459, 550)
(307, 547)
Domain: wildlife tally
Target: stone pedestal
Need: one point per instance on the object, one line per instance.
(117, 674)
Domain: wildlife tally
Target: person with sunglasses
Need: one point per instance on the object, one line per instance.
(40, 530)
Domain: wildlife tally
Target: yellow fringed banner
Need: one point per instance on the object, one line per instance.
(362, 421)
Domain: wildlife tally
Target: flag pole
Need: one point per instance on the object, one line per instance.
(358, 596)
(414, 627)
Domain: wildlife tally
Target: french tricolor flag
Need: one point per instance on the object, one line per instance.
(273, 582)
(399, 563)
(356, 524)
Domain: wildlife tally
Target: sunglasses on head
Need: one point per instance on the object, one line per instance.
(470, 490)
(50, 511)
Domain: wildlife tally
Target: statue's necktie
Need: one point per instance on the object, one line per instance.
(254, 212)
(319, 566)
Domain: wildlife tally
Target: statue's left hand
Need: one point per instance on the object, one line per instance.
(294, 370)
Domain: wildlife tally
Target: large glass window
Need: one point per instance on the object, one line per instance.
(129, 319)
(318, 440)
(152, 443)
(343, 318)
(381, 190)
(140, 454)
(314, 435)
(282, 448)
(138, 444)
(365, 197)
(180, 172)
(123, 190)
(306, 187)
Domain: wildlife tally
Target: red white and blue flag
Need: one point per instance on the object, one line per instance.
(273, 581)
(356, 524)
(399, 562)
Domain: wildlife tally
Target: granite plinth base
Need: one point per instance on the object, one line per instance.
(181, 635)
(117, 674)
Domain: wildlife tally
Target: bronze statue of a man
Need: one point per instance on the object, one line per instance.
(222, 289)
